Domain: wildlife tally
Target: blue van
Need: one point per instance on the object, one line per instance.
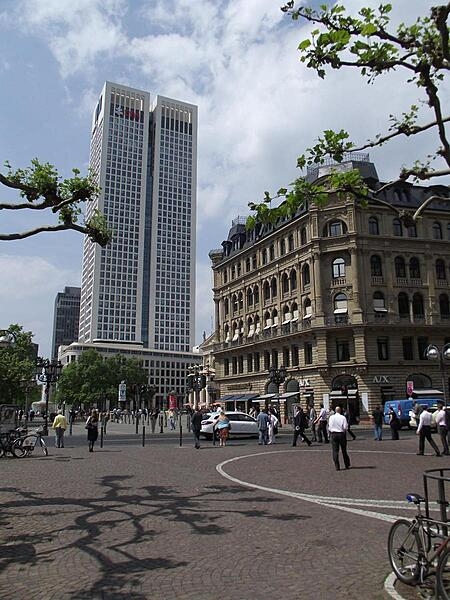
(402, 408)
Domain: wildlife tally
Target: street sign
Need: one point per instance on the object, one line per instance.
(122, 392)
(409, 388)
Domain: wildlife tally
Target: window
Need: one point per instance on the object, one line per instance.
(293, 280)
(437, 231)
(306, 277)
(373, 226)
(412, 231)
(422, 345)
(383, 348)
(273, 287)
(335, 228)
(340, 304)
(264, 256)
(444, 306)
(249, 297)
(226, 367)
(226, 305)
(247, 265)
(282, 247)
(266, 291)
(272, 252)
(308, 354)
(338, 268)
(440, 269)
(235, 303)
(403, 304)
(256, 294)
(254, 262)
(342, 350)
(257, 362)
(408, 350)
(286, 357)
(303, 236)
(266, 360)
(397, 229)
(241, 364)
(417, 305)
(400, 267)
(307, 309)
(290, 242)
(295, 356)
(285, 283)
(241, 300)
(225, 276)
(375, 266)
(378, 302)
(414, 268)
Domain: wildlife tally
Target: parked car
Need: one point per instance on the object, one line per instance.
(403, 409)
(241, 424)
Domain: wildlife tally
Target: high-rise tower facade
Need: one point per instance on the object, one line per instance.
(65, 318)
(140, 288)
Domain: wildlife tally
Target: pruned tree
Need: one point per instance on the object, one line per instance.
(42, 189)
(365, 42)
(17, 365)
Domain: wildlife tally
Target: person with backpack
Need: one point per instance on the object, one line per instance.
(300, 424)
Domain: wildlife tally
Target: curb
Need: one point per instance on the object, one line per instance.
(389, 587)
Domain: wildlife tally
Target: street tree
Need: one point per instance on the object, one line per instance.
(368, 43)
(42, 189)
(17, 365)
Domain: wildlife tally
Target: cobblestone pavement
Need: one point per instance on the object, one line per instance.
(161, 522)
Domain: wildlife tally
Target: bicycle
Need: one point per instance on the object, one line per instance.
(8, 440)
(416, 547)
(25, 445)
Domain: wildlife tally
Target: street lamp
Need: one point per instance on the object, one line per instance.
(196, 381)
(278, 376)
(48, 372)
(432, 352)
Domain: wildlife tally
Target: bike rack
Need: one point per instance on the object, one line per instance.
(438, 481)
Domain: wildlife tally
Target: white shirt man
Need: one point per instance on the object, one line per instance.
(441, 423)
(424, 431)
(337, 426)
(337, 423)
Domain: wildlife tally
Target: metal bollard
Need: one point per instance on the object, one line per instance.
(161, 430)
(214, 436)
(181, 434)
(70, 428)
(143, 435)
(101, 436)
(137, 425)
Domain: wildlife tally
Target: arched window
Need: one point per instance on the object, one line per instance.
(414, 268)
(274, 287)
(303, 236)
(306, 277)
(267, 320)
(256, 294)
(225, 276)
(249, 296)
(441, 272)
(378, 302)
(247, 265)
(266, 291)
(338, 268)
(264, 256)
(291, 242)
(444, 306)
(226, 333)
(412, 231)
(285, 283)
(437, 231)
(272, 252)
(397, 228)
(293, 280)
(234, 302)
(417, 305)
(250, 328)
(375, 266)
(340, 304)
(241, 300)
(400, 267)
(373, 226)
(307, 309)
(226, 306)
(294, 310)
(335, 228)
(403, 304)
(287, 316)
(282, 247)
(274, 318)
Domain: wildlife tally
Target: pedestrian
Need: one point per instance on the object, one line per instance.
(223, 427)
(172, 420)
(442, 426)
(92, 429)
(424, 431)
(153, 419)
(60, 426)
(394, 423)
(321, 423)
(338, 426)
(312, 422)
(348, 414)
(32, 413)
(377, 419)
(196, 424)
(263, 424)
(273, 426)
(300, 424)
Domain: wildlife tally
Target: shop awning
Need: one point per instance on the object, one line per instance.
(264, 397)
(288, 395)
(429, 393)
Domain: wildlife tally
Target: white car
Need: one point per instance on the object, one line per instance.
(241, 424)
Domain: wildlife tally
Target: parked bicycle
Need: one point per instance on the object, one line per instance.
(26, 444)
(7, 441)
(420, 546)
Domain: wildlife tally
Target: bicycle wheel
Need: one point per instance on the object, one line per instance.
(28, 443)
(43, 446)
(18, 450)
(443, 574)
(405, 549)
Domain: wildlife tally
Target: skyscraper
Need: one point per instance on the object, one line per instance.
(140, 288)
(65, 318)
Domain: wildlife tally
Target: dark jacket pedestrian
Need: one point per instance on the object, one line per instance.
(92, 429)
(300, 423)
(394, 423)
(196, 424)
(348, 414)
(263, 427)
(377, 418)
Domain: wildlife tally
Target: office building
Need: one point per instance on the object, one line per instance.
(66, 316)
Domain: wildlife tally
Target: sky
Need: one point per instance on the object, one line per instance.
(237, 60)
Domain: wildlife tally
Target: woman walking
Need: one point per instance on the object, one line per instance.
(223, 426)
(92, 429)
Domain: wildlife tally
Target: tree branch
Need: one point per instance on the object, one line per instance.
(44, 228)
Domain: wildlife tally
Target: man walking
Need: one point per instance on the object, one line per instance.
(321, 421)
(377, 418)
(196, 425)
(60, 426)
(338, 426)
(300, 423)
(312, 422)
(442, 426)
(263, 427)
(424, 431)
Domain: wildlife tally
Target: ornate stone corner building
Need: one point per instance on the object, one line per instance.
(346, 298)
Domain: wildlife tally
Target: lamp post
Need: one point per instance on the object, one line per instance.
(48, 372)
(432, 352)
(196, 381)
(278, 376)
